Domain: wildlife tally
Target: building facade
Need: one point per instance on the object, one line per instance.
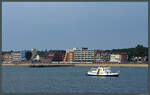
(7, 58)
(23, 55)
(34, 53)
(84, 55)
(98, 56)
(124, 57)
(56, 55)
(16, 56)
(115, 58)
(105, 56)
(69, 56)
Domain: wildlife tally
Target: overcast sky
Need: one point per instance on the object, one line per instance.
(65, 25)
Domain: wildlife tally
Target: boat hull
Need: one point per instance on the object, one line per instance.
(104, 75)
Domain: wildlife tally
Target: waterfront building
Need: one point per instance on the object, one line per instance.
(124, 57)
(99, 56)
(140, 59)
(105, 56)
(121, 57)
(115, 58)
(16, 56)
(23, 56)
(84, 55)
(56, 55)
(42, 59)
(45, 60)
(34, 53)
(6, 58)
(69, 56)
(50, 55)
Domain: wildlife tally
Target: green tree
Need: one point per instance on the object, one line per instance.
(28, 55)
(140, 51)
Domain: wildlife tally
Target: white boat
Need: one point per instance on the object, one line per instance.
(102, 71)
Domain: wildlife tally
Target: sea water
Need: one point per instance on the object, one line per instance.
(17, 79)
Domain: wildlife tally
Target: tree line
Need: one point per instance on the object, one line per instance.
(138, 51)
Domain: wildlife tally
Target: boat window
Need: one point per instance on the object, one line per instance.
(93, 69)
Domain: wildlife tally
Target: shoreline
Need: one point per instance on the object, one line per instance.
(77, 65)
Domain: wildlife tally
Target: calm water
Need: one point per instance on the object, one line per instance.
(71, 80)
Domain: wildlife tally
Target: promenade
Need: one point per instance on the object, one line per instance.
(78, 65)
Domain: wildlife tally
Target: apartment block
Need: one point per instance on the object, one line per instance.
(6, 58)
(84, 55)
(16, 56)
(23, 56)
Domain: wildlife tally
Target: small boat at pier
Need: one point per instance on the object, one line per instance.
(102, 71)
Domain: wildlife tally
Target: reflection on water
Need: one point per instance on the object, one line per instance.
(103, 78)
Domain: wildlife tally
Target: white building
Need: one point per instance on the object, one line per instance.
(115, 58)
(16, 56)
(84, 55)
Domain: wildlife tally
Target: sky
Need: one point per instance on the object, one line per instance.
(67, 25)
